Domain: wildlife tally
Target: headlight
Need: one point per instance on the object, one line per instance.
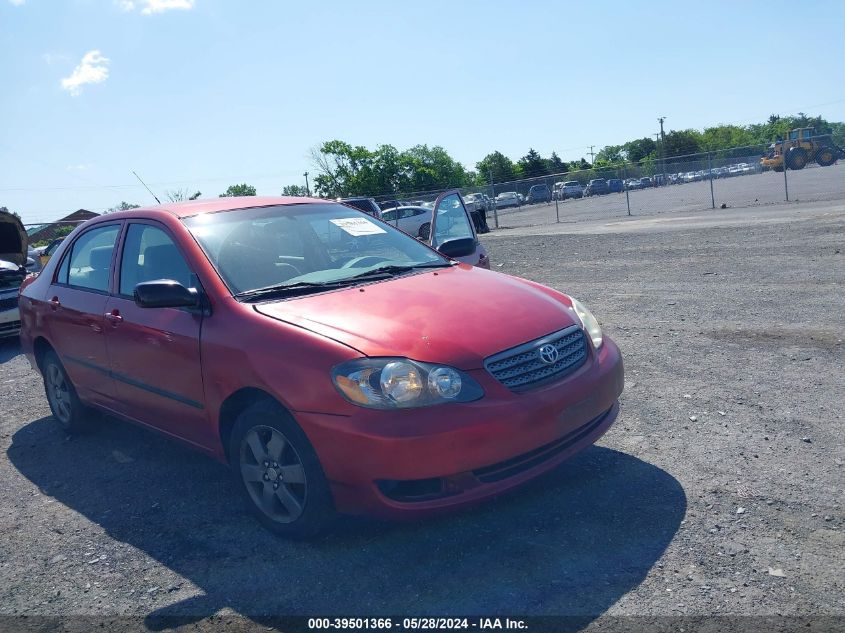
(400, 383)
(588, 321)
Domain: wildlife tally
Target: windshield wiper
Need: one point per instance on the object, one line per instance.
(393, 269)
(307, 287)
(300, 287)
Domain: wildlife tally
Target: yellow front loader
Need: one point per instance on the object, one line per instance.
(803, 146)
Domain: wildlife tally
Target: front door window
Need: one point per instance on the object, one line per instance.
(451, 221)
(148, 254)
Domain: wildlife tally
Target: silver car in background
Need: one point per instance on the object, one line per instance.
(507, 199)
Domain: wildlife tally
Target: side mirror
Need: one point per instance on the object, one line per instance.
(458, 248)
(165, 293)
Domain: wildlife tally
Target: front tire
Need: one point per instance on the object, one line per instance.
(65, 405)
(796, 158)
(825, 156)
(278, 472)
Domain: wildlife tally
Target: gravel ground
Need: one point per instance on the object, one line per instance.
(718, 492)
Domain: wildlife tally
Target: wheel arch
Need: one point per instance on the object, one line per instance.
(237, 402)
(40, 347)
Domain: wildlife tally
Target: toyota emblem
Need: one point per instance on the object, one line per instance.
(548, 354)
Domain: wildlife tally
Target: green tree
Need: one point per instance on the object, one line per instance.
(532, 165)
(838, 133)
(682, 143)
(638, 149)
(432, 168)
(338, 168)
(297, 191)
(237, 190)
(554, 165)
(180, 195)
(610, 154)
(346, 170)
(122, 206)
(497, 165)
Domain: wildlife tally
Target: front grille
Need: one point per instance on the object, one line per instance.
(8, 304)
(522, 368)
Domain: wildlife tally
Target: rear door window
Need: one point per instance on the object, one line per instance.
(89, 262)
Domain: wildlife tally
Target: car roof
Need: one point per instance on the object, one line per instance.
(213, 205)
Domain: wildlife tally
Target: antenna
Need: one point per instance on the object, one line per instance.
(147, 188)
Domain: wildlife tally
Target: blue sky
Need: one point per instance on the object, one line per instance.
(200, 94)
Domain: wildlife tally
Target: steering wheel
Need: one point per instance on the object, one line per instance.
(364, 261)
(283, 266)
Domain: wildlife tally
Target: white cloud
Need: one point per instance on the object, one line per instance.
(17, 3)
(93, 69)
(79, 167)
(149, 7)
(159, 6)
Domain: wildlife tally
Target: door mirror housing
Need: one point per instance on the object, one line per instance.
(165, 293)
(460, 247)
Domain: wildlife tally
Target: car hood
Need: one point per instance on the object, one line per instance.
(13, 239)
(455, 316)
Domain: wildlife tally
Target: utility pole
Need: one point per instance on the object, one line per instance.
(662, 145)
(493, 198)
(307, 188)
(592, 155)
(659, 153)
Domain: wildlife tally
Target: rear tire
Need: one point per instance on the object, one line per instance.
(825, 156)
(65, 405)
(796, 158)
(277, 471)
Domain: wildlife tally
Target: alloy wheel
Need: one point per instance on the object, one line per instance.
(59, 394)
(273, 474)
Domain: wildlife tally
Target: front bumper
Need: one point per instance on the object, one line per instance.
(10, 319)
(416, 462)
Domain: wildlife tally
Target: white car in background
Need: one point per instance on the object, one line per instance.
(474, 202)
(571, 189)
(415, 221)
(507, 199)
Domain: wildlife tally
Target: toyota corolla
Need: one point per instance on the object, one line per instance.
(336, 363)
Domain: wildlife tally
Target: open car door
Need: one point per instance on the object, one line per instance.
(453, 231)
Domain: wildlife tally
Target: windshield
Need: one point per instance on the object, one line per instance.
(303, 245)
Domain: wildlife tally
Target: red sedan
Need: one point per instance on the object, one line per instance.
(336, 363)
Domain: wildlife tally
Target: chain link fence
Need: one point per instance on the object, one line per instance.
(721, 179)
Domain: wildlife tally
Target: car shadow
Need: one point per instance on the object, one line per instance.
(10, 348)
(571, 543)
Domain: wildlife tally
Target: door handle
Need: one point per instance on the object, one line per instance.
(54, 303)
(114, 317)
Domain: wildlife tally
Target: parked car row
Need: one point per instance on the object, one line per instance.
(564, 190)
